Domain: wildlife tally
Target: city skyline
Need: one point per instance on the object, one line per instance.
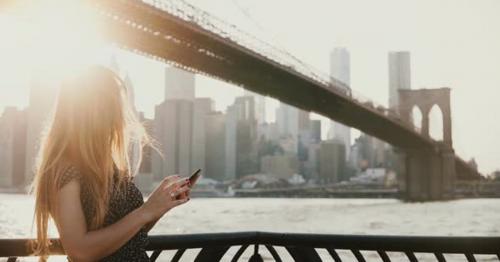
(433, 61)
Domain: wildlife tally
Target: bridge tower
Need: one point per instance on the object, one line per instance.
(429, 174)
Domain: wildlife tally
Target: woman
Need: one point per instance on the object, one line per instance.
(83, 179)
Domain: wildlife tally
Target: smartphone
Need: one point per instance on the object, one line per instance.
(194, 177)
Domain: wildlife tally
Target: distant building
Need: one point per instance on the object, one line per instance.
(269, 131)
(292, 122)
(369, 152)
(355, 156)
(246, 137)
(399, 76)
(173, 129)
(179, 84)
(281, 166)
(311, 166)
(215, 147)
(202, 107)
(241, 137)
(287, 120)
(331, 161)
(316, 131)
(13, 148)
(260, 106)
(340, 69)
(173, 125)
(42, 102)
(340, 65)
(231, 127)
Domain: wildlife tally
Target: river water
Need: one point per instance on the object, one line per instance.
(467, 217)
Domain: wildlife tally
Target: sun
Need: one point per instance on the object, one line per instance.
(50, 37)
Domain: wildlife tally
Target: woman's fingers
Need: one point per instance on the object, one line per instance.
(178, 192)
(181, 191)
(179, 202)
(169, 179)
(177, 184)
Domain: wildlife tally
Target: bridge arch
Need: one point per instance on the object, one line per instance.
(427, 100)
(416, 116)
(436, 123)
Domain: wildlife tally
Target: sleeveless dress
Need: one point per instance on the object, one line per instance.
(121, 203)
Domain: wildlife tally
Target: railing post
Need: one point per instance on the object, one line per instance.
(256, 257)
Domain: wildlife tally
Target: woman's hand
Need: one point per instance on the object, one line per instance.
(172, 192)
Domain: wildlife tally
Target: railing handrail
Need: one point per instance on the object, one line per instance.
(388, 243)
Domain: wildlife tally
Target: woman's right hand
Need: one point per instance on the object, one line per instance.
(169, 194)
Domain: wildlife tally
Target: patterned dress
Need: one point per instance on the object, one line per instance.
(121, 203)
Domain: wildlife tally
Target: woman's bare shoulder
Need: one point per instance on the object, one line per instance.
(68, 174)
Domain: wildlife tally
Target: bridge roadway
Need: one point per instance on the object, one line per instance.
(193, 41)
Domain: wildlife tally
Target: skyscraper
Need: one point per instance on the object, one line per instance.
(173, 129)
(340, 69)
(173, 125)
(340, 65)
(241, 138)
(215, 148)
(331, 161)
(179, 84)
(260, 106)
(316, 131)
(12, 148)
(201, 108)
(399, 76)
(292, 123)
(231, 127)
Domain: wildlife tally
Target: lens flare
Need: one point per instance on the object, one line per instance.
(49, 37)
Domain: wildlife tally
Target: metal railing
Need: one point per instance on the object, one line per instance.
(300, 247)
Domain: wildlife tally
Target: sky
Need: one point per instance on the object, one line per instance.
(452, 43)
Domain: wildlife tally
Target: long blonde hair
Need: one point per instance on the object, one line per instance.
(92, 128)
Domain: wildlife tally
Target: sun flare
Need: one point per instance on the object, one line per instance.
(49, 37)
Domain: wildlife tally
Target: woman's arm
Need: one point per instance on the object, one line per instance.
(83, 245)
(150, 225)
